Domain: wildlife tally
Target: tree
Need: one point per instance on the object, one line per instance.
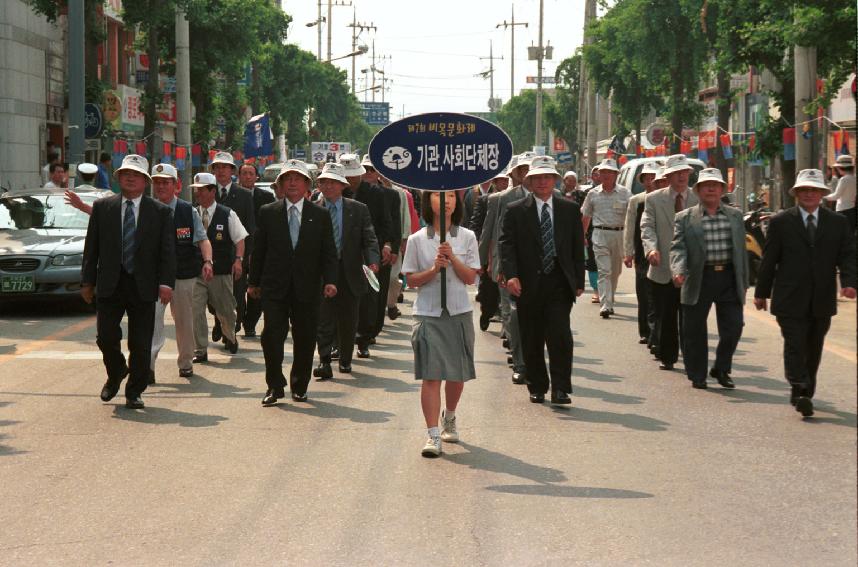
(561, 111)
(518, 119)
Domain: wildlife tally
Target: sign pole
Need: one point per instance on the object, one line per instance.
(443, 237)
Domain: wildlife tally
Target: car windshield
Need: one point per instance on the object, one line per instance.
(41, 211)
(270, 174)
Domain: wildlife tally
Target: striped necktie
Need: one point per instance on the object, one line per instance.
(338, 231)
(547, 231)
(129, 229)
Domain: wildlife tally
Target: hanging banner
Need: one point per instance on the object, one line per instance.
(196, 155)
(440, 151)
(726, 146)
(257, 137)
(789, 144)
(181, 155)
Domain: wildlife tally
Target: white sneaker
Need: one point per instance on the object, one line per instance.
(432, 448)
(448, 429)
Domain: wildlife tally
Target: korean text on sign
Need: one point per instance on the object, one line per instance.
(446, 129)
(458, 157)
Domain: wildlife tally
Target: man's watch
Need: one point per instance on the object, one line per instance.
(208, 262)
(239, 258)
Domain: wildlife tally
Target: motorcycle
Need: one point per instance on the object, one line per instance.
(756, 227)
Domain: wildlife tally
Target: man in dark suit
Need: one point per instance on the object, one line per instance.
(805, 247)
(295, 257)
(247, 177)
(488, 293)
(542, 257)
(129, 262)
(373, 197)
(356, 245)
(231, 195)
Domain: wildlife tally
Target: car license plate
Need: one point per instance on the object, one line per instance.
(17, 284)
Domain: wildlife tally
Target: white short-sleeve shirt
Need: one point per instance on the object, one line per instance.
(420, 256)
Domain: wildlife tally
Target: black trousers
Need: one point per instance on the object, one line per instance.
(141, 326)
(718, 288)
(488, 294)
(303, 317)
(646, 320)
(543, 320)
(366, 317)
(804, 338)
(252, 313)
(338, 323)
(381, 305)
(668, 321)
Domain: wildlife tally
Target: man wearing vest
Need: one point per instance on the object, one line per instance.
(226, 235)
(193, 259)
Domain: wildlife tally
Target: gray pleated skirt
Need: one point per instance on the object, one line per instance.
(444, 347)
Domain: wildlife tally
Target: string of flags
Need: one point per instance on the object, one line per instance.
(178, 155)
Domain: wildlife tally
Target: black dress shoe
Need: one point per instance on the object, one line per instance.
(393, 313)
(537, 398)
(722, 377)
(484, 322)
(217, 334)
(230, 346)
(699, 385)
(186, 372)
(134, 403)
(665, 366)
(151, 377)
(400, 298)
(506, 343)
(509, 360)
(560, 398)
(323, 371)
(201, 357)
(345, 368)
(804, 406)
(299, 397)
(109, 390)
(237, 326)
(605, 314)
(642, 340)
(272, 395)
(335, 354)
(517, 378)
(371, 341)
(363, 352)
(249, 333)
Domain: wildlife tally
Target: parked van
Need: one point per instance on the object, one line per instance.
(628, 176)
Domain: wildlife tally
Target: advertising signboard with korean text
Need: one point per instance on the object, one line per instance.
(440, 151)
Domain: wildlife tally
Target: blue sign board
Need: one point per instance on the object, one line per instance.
(93, 120)
(300, 153)
(440, 151)
(376, 113)
(564, 157)
(257, 137)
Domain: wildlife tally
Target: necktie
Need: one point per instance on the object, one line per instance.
(677, 205)
(128, 231)
(221, 195)
(294, 225)
(547, 231)
(811, 228)
(338, 232)
(206, 219)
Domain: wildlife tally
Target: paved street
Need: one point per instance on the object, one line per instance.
(642, 470)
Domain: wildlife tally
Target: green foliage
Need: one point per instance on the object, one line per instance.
(518, 119)
(561, 111)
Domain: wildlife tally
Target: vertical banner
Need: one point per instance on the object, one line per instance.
(789, 144)
(726, 146)
(181, 155)
(167, 155)
(257, 137)
(140, 148)
(196, 155)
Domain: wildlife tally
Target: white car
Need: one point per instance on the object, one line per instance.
(628, 176)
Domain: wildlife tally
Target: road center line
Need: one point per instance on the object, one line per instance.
(40, 344)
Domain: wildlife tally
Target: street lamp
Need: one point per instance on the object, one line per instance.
(360, 51)
(318, 22)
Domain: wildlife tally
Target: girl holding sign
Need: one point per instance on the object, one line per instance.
(443, 335)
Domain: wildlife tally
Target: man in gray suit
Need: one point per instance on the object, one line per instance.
(490, 255)
(657, 222)
(708, 261)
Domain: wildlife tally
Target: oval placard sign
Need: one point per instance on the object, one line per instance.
(440, 151)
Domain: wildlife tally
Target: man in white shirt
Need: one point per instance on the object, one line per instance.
(844, 193)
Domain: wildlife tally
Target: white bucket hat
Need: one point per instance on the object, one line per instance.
(659, 175)
(294, 165)
(334, 171)
(87, 168)
(365, 162)
(204, 180)
(164, 170)
(352, 165)
(526, 158)
(710, 174)
(609, 164)
(223, 157)
(570, 174)
(649, 167)
(676, 162)
(809, 179)
(541, 165)
(842, 161)
(133, 162)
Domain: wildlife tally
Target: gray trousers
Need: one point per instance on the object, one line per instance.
(218, 294)
(509, 316)
(182, 308)
(608, 249)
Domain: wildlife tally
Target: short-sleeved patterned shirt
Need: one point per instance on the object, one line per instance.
(718, 237)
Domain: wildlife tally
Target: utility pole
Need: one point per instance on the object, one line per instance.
(357, 28)
(538, 141)
(589, 16)
(331, 4)
(805, 91)
(183, 97)
(491, 75)
(373, 69)
(511, 24)
(76, 82)
(319, 30)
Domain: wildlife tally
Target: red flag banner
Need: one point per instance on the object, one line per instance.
(623, 160)
(168, 149)
(789, 135)
(650, 153)
(752, 142)
(181, 152)
(140, 148)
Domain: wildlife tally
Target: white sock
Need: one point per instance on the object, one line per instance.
(434, 432)
(449, 414)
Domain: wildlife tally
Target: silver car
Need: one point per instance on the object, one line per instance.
(41, 243)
